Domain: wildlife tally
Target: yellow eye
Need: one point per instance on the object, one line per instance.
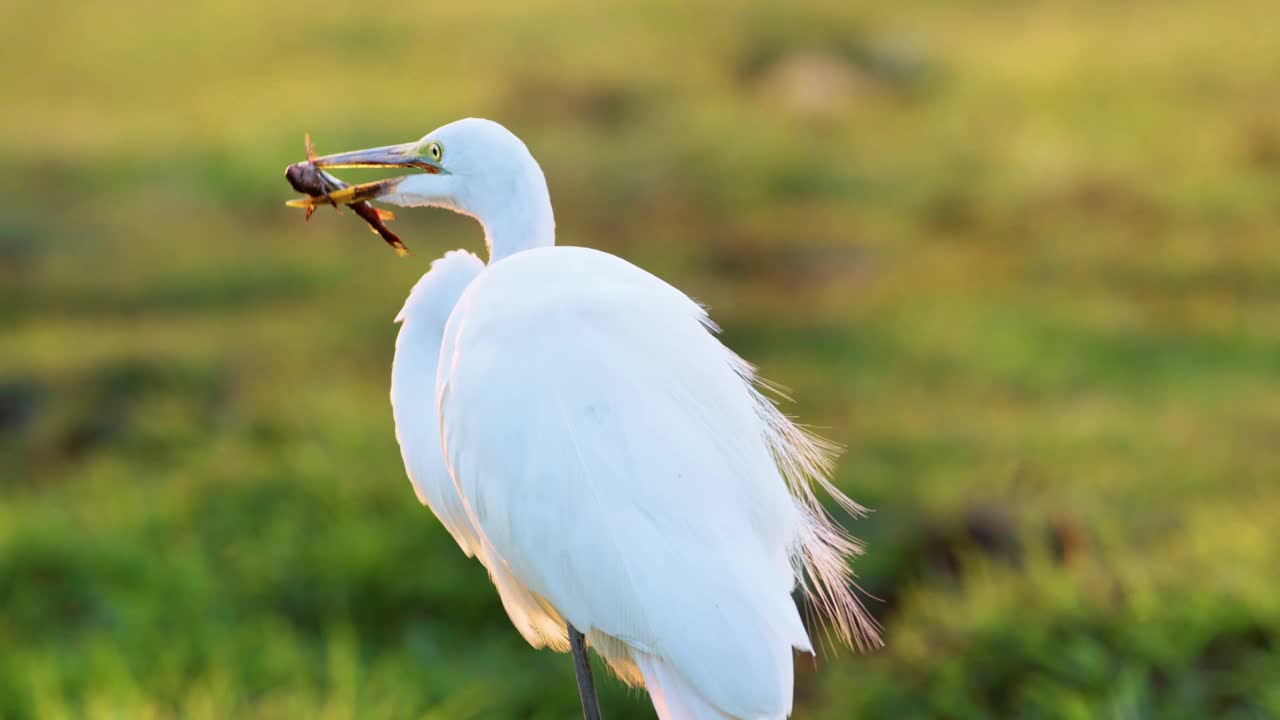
(435, 151)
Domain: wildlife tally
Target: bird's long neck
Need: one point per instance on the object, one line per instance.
(523, 223)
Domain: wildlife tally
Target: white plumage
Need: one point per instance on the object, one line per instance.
(575, 424)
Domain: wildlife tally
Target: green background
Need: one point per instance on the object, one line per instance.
(1020, 258)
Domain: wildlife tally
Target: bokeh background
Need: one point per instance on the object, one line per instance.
(1020, 258)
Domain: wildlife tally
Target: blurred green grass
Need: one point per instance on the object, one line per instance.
(1021, 259)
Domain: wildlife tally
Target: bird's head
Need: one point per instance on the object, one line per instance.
(475, 167)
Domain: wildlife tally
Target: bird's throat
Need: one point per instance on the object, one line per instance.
(517, 229)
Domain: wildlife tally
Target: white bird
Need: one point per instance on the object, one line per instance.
(576, 425)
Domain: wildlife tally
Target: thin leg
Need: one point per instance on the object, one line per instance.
(582, 668)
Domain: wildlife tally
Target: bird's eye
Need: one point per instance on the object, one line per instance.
(435, 151)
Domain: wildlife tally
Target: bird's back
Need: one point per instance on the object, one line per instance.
(617, 460)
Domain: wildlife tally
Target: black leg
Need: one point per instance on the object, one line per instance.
(582, 668)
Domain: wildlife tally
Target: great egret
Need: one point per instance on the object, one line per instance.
(576, 425)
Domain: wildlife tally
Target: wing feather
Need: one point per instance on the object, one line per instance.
(620, 462)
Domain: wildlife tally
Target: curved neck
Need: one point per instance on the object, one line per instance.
(520, 226)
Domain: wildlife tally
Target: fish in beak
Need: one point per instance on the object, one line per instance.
(320, 187)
